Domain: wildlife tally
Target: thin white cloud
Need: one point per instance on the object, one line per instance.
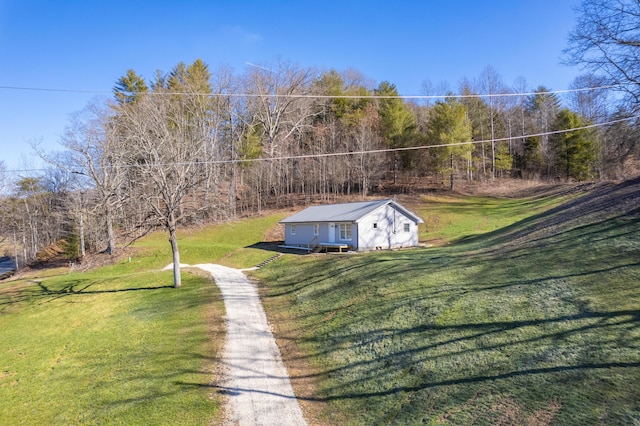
(241, 34)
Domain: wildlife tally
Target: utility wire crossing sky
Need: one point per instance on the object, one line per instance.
(274, 95)
(364, 152)
(67, 53)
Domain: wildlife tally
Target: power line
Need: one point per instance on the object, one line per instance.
(411, 148)
(317, 96)
(362, 152)
(45, 89)
(414, 148)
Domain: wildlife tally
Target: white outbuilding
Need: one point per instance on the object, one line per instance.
(361, 226)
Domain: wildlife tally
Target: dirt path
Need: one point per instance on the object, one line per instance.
(256, 382)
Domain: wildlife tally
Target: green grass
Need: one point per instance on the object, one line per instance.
(108, 347)
(120, 345)
(231, 244)
(484, 331)
(449, 218)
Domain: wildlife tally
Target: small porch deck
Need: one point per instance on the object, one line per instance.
(336, 246)
(316, 247)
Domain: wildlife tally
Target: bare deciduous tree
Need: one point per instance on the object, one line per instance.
(606, 41)
(279, 104)
(165, 144)
(96, 152)
(4, 179)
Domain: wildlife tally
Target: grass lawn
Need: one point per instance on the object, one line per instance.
(108, 347)
(513, 318)
(527, 324)
(120, 345)
(232, 244)
(449, 218)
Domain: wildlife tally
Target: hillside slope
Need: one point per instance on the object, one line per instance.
(605, 203)
(534, 323)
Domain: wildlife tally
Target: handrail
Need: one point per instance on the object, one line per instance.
(314, 246)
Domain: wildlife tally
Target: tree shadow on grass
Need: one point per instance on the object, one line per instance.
(72, 288)
(403, 373)
(615, 202)
(76, 287)
(478, 379)
(129, 387)
(565, 346)
(275, 247)
(539, 310)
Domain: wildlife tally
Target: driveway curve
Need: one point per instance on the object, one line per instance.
(256, 382)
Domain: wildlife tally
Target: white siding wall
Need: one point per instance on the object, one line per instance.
(389, 231)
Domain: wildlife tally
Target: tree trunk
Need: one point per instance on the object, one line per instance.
(566, 147)
(484, 163)
(111, 236)
(15, 250)
(111, 246)
(173, 239)
(451, 158)
(25, 257)
(82, 250)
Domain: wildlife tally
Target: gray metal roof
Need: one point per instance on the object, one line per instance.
(347, 212)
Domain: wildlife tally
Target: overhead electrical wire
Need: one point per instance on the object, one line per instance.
(414, 148)
(362, 152)
(317, 96)
(313, 96)
(45, 89)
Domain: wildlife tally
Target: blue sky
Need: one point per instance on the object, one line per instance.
(87, 45)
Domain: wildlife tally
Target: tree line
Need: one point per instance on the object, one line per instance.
(194, 146)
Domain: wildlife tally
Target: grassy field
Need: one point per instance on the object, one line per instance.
(528, 319)
(234, 244)
(108, 347)
(120, 345)
(525, 311)
(449, 218)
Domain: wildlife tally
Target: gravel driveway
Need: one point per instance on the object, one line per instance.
(256, 382)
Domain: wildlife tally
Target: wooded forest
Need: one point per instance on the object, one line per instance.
(197, 145)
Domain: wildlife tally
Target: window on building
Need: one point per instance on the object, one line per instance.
(345, 231)
(316, 229)
(293, 229)
(375, 226)
(407, 227)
